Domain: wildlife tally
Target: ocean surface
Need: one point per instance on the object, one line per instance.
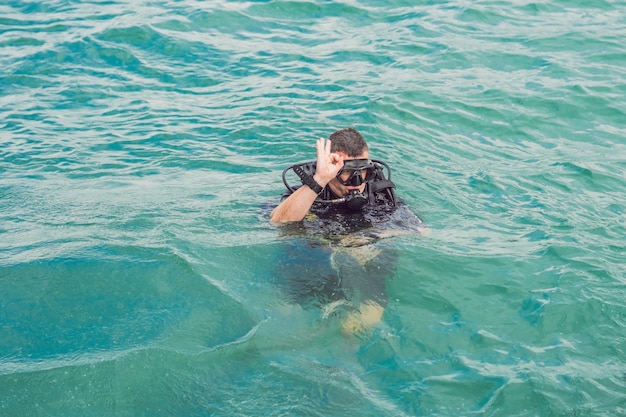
(142, 143)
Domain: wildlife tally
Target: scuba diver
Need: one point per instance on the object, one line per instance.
(346, 204)
(342, 173)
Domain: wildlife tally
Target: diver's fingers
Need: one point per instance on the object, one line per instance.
(320, 149)
(323, 148)
(336, 159)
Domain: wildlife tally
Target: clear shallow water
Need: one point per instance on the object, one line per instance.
(141, 142)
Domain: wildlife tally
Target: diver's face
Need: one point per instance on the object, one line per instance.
(342, 190)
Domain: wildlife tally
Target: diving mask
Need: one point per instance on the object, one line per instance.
(356, 171)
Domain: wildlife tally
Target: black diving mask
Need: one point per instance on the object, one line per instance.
(355, 172)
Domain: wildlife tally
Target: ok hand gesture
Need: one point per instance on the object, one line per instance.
(328, 164)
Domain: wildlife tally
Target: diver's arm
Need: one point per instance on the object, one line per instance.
(297, 205)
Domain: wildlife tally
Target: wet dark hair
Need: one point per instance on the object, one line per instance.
(349, 141)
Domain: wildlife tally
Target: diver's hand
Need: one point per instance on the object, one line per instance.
(297, 205)
(328, 164)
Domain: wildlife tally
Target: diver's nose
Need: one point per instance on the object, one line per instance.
(356, 179)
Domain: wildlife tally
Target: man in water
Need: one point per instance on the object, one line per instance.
(330, 178)
(347, 199)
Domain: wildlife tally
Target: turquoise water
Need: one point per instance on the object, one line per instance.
(142, 142)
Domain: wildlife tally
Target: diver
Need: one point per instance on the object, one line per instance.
(346, 204)
(341, 174)
(347, 189)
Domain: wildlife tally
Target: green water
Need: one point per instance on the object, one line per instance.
(143, 142)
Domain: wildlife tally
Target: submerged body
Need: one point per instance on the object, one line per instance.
(345, 206)
(341, 263)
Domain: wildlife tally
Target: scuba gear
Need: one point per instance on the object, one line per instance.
(355, 200)
(352, 172)
(377, 177)
(307, 180)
